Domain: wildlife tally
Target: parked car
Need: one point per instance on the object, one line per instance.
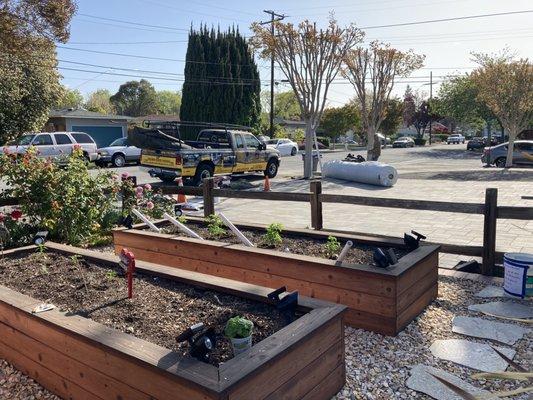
(455, 138)
(56, 145)
(383, 140)
(118, 153)
(404, 142)
(286, 147)
(497, 155)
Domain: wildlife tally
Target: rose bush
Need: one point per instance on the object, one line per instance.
(73, 205)
(148, 201)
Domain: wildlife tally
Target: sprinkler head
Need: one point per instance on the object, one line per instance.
(201, 341)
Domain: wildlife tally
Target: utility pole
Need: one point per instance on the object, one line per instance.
(274, 17)
(430, 99)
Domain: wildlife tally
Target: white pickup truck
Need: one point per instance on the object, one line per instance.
(455, 138)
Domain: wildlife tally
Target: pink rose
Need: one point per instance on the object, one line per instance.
(148, 186)
(139, 195)
(125, 175)
(150, 205)
(139, 189)
(2, 217)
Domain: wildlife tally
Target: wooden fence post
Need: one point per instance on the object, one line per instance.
(316, 205)
(489, 232)
(209, 200)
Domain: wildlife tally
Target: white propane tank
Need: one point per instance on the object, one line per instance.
(370, 172)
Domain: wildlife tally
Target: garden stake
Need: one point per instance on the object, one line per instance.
(344, 251)
(235, 230)
(127, 263)
(146, 220)
(182, 227)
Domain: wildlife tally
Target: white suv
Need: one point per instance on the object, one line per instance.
(56, 145)
(455, 138)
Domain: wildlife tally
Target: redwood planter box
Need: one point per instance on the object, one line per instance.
(77, 358)
(379, 300)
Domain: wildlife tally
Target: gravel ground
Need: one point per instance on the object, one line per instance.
(14, 385)
(378, 366)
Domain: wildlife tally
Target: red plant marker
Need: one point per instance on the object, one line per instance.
(127, 262)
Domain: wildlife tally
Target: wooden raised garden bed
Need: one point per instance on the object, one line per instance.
(78, 358)
(380, 300)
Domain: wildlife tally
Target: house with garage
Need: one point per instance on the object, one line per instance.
(103, 128)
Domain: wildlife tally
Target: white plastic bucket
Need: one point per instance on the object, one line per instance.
(241, 345)
(518, 274)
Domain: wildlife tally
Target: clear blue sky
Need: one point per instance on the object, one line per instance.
(447, 45)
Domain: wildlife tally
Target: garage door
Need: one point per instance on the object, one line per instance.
(102, 135)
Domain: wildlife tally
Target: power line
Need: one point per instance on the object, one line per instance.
(136, 28)
(125, 43)
(447, 19)
(135, 23)
(147, 57)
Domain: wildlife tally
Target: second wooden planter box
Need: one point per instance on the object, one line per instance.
(379, 300)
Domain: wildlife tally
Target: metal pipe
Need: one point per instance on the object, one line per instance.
(182, 227)
(145, 220)
(344, 251)
(236, 231)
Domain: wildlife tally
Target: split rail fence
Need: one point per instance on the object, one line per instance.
(489, 209)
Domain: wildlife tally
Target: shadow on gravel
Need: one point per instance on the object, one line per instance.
(487, 175)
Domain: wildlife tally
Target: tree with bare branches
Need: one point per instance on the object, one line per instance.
(310, 58)
(505, 85)
(372, 72)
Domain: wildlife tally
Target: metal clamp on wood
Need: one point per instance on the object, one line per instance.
(413, 242)
(286, 305)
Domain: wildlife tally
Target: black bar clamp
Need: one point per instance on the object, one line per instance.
(286, 305)
(201, 341)
(413, 242)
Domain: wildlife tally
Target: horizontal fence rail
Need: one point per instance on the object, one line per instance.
(489, 209)
(426, 205)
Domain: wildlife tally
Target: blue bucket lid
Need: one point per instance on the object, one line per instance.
(520, 258)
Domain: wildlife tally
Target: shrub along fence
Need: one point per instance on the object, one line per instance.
(489, 209)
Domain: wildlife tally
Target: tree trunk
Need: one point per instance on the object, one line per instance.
(370, 144)
(308, 158)
(510, 148)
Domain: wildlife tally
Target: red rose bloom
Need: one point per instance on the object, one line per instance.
(16, 214)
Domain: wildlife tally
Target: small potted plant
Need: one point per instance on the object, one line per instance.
(239, 331)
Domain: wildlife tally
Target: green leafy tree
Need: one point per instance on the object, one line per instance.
(458, 99)
(393, 117)
(286, 106)
(168, 102)
(27, 92)
(99, 101)
(135, 98)
(505, 85)
(70, 98)
(29, 82)
(222, 82)
(339, 120)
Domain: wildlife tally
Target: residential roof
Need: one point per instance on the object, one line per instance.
(84, 114)
(157, 117)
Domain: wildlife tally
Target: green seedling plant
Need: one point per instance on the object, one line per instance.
(215, 226)
(238, 328)
(332, 247)
(272, 237)
(110, 275)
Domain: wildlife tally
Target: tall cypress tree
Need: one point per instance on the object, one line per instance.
(221, 80)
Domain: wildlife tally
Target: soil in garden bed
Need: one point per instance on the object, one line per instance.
(358, 254)
(160, 310)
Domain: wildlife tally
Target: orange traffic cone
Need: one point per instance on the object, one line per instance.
(181, 197)
(266, 187)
